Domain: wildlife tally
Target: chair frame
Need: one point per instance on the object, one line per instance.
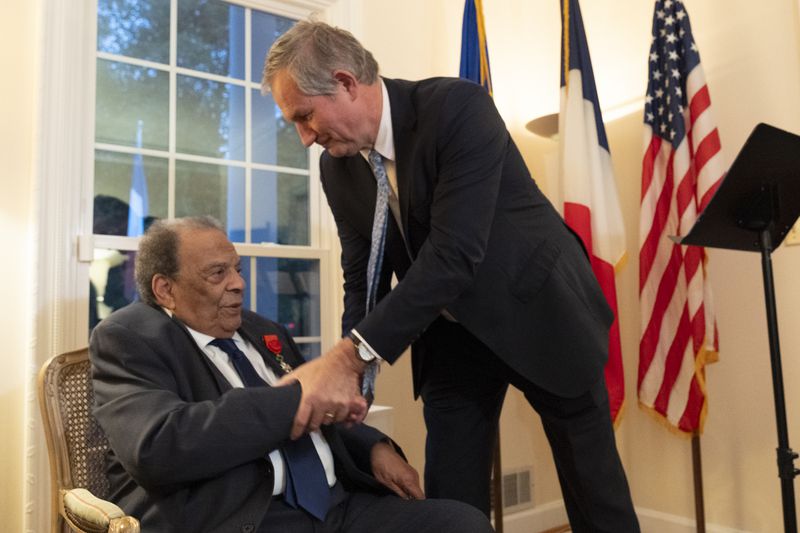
(55, 429)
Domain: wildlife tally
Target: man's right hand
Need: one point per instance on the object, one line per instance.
(331, 388)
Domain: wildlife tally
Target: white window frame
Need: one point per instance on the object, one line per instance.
(318, 248)
(63, 198)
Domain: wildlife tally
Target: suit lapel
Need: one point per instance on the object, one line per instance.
(221, 382)
(363, 187)
(255, 336)
(404, 120)
(361, 200)
(266, 355)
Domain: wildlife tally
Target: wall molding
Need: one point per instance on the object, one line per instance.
(553, 514)
(65, 35)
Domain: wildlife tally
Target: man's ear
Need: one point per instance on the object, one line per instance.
(162, 289)
(348, 81)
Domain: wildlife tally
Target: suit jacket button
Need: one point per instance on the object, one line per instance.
(248, 528)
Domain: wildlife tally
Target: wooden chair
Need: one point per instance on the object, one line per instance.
(76, 447)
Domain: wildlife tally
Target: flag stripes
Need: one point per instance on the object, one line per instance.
(589, 192)
(681, 169)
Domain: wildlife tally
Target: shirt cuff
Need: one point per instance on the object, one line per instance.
(365, 344)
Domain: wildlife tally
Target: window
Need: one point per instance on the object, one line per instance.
(181, 128)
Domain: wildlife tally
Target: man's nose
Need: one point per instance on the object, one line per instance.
(237, 282)
(306, 133)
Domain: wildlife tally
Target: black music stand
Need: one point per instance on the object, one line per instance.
(754, 208)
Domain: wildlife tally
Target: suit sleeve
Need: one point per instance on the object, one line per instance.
(360, 439)
(472, 142)
(164, 438)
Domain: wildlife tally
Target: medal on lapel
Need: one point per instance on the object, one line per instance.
(273, 344)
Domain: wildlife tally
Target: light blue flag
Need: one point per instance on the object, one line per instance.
(137, 202)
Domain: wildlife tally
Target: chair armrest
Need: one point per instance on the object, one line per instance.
(86, 512)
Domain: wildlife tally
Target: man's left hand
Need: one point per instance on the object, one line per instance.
(392, 470)
(331, 387)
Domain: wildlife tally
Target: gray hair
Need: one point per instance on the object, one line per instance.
(311, 51)
(158, 251)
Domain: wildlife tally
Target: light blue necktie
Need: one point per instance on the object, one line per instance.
(306, 482)
(376, 255)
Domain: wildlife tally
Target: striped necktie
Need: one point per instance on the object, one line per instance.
(375, 263)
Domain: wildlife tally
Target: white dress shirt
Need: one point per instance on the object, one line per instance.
(224, 364)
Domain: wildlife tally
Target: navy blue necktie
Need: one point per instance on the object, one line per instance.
(306, 482)
(241, 363)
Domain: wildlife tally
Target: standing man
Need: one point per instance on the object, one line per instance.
(493, 288)
(200, 442)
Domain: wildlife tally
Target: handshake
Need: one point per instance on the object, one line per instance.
(331, 386)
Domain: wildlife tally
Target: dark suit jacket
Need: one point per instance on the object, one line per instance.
(485, 244)
(189, 453)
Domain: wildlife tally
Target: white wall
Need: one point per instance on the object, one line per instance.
(18, 61)
(750, 56)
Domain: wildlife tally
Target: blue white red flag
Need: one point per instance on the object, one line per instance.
(589, 191)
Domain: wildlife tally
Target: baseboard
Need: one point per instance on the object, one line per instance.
(540, 518)
(553, 514)
(658, 522)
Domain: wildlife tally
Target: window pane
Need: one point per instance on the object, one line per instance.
(265, 29)
(246, 272)
(126, 96)
(111, 283)
(275, 141)
(115, 183)
(133, 110)
(287, 291)
(280, 208)
(134, 28)
(210, 118)
(211, 37)
(202, 189)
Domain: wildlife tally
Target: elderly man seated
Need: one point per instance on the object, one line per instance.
(193, 394)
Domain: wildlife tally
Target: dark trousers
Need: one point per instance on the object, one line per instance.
(464, 385)
(359, 512)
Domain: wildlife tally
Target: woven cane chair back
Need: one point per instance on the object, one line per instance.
(75, 442)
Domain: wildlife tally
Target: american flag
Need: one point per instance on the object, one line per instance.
(591, 202)
(682, 168)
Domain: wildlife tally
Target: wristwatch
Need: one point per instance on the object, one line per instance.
(364, 353)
